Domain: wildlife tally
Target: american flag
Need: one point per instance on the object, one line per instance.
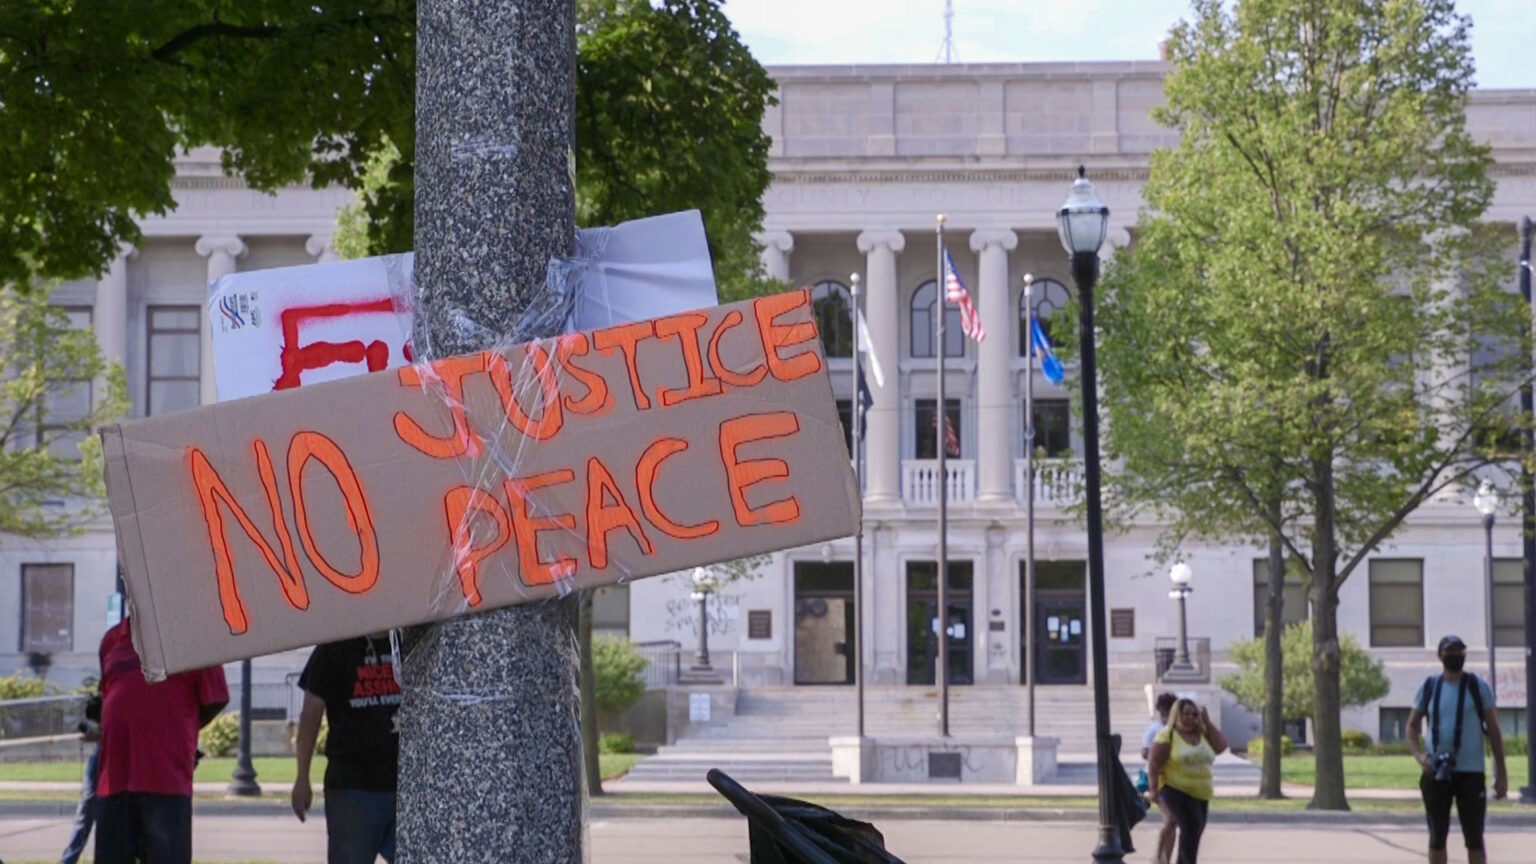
(954, 292)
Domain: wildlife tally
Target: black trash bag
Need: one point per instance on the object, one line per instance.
(1130, 807)
(787, 831)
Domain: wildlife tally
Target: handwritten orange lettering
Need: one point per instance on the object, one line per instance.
(552, 417)
(734, 379)
(603, 518)
(741, 474)
(535, 570)
(451, 371)
(598, 400)
(778, 336)
(627, 338)
(645, 481)
(312, 445)
(686, 328)
(462, 504)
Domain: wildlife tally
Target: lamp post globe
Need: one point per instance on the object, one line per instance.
(1083, 223)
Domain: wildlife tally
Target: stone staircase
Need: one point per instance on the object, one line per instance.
(779, 734)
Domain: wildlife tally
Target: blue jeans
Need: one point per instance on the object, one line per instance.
(85, 813)
(359, 825)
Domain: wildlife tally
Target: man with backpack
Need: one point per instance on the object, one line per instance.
(1461, 712)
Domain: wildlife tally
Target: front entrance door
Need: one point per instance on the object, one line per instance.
(923, 623)
(824, 622)
(1060, 629)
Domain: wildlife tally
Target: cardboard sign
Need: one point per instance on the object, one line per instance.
(349, 507)
(284, 327)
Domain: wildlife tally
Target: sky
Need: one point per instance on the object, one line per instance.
(912, 31)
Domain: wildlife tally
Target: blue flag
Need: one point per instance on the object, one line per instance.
(1049, 364)
(866, 401)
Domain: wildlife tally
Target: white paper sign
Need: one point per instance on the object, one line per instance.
(280, 328)
(698, 707)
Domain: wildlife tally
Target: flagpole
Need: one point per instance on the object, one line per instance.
(858, 481)
(1029, 498)
(941, 422)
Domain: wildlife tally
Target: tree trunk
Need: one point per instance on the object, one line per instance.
(589, 752)
(1274, 668)
(1328, 748)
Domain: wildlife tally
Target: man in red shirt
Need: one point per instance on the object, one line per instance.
(148, 747)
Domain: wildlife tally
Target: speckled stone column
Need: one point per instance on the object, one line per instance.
(490, 756)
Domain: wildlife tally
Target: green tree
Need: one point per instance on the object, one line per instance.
(618, 686)
(55, 391)
(1362, 678)
(1294, 350)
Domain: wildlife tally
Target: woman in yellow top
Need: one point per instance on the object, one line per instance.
(1179, 772)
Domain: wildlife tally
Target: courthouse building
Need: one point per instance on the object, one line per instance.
(863, 157)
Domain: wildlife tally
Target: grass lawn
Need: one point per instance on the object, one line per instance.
(276, 771)
(1382, 772)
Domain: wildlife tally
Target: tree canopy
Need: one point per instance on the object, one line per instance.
(1363, 678)
(1298, 342)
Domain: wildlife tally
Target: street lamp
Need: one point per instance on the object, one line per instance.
(1181, 669)
(1083, 221)
(703, 586)
(1486, 500)
(242, 781)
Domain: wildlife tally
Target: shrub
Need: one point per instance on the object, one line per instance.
(1514, 745)
(613, 742)
(1390, 748)
(220, 737)
(20, 686)
(616, 667)
(1355, 741)
(1256, 746)
(1362, 678)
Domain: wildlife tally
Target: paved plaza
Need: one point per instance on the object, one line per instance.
(272, 838)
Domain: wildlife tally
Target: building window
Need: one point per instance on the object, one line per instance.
(47, 608)
(1050, 297)
(610, 610)
(1295, 606)
(174, 358)
(1397, 603)
(928, 429)
(1512, 722)
(67, 402)
(833, 304)
(1053, 428)
(1508, 603)
(1393, 725)
(924, 301)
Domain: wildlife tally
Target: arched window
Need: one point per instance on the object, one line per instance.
(924, 301)
(834, 318)
(1050, 297)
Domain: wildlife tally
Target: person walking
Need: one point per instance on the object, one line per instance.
(1169, 831)
(1183, 755)
(85, 810)
(147, 753)
(352, 684)
(1461, 711)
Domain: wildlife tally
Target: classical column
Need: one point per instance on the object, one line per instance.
(882, 438)
(110, 315)
(995, 405)
(776, 248)
(319, 246)
(221, 252)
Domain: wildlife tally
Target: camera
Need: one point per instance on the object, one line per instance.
(1442, 764)
(92, 722)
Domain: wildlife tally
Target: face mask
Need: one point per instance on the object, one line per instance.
(1454, 662)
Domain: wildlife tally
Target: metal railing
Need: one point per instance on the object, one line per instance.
(664, 662)
(920, 480)
(44, 715)
(1058, 482)
(1166, 648)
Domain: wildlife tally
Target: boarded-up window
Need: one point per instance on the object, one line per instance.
(66, 403)
(1397, 603)
(610, 610)
(47, 608)
(175, 348)
(1295, 604)
(1509, 603)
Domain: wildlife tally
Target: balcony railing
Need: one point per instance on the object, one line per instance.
(1058, 482)
(1166, 648)
(920, 480)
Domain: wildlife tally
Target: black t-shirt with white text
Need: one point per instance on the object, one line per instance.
(356, 679)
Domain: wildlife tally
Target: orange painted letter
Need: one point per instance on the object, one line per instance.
(627, 338)
(776, 336)
(211, 492)
(535, 570)
(462, 504)
(645, 481)
(686, 328)
(603, 517)
(451, 372)
(734, 379)
(312, 445)
(598, 400)
(741, 474)
(551, 416)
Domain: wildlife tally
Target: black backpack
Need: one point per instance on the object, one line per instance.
(1432, 686)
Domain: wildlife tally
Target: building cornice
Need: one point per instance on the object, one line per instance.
(791, 175)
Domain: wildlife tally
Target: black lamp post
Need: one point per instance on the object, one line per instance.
(243, 781)
(1486, 500)
(703, 586)
(1083, 221)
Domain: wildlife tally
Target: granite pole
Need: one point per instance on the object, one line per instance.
(490, 745)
